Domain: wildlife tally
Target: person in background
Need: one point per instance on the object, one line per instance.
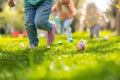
(65, 10)
(91, 19)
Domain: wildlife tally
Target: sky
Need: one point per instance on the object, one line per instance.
(101, 4)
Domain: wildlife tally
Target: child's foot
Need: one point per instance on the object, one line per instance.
(50, 35)
(31, 47)
(71, 40)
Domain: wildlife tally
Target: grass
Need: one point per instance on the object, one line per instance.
(99, 61)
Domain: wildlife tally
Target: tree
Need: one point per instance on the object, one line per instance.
(1, 4)
(13, 17)
(114, 14)
(75, 25)
(118, 16)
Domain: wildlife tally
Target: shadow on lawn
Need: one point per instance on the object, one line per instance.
(60, 52)
(17, 60)
(104, 47)
(21, 56)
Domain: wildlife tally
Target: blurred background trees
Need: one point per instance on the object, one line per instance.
(13, 18)
(117, 2)
(114, 14)
(76, 23)
(1, 4)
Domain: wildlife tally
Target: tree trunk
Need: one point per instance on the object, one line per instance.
(117, 20)
(75, 24)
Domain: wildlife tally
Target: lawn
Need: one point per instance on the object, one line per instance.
(99, 61)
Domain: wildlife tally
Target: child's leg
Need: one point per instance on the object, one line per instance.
(68, 28)
(42, 15)
(29, 23)
(96, 31)
(91, 29)
(61, 27)
(42, 20)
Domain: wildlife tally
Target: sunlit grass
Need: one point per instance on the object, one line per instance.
(99, 61)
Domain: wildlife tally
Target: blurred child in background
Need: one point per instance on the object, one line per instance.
(65, 10)
(91, 19)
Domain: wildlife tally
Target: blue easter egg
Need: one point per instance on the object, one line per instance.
(60, 43)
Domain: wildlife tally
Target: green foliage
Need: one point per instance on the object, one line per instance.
(13, 16)
(118, 5)
(99, 61)
(1, 4)
(113, 7)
